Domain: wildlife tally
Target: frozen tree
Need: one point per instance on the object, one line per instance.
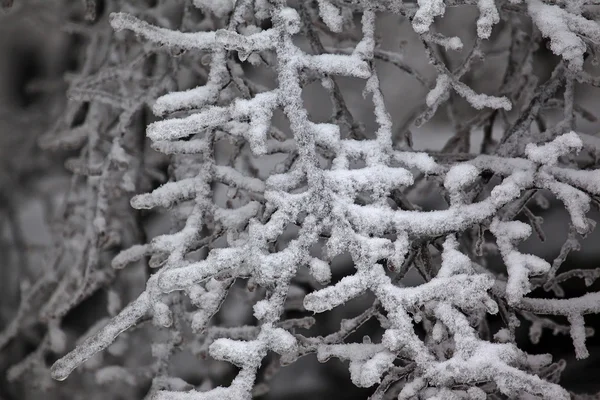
(262, 199)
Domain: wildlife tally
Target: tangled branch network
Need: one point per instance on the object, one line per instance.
(344, 190)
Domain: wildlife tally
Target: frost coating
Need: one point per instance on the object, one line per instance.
(518, 265)
(362, 212)
(488, 17)
(548, 154)
(428, 10)
(330, 15)
(219, 8)
(563, 29)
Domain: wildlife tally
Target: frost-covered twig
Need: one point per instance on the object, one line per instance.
(338, 187)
